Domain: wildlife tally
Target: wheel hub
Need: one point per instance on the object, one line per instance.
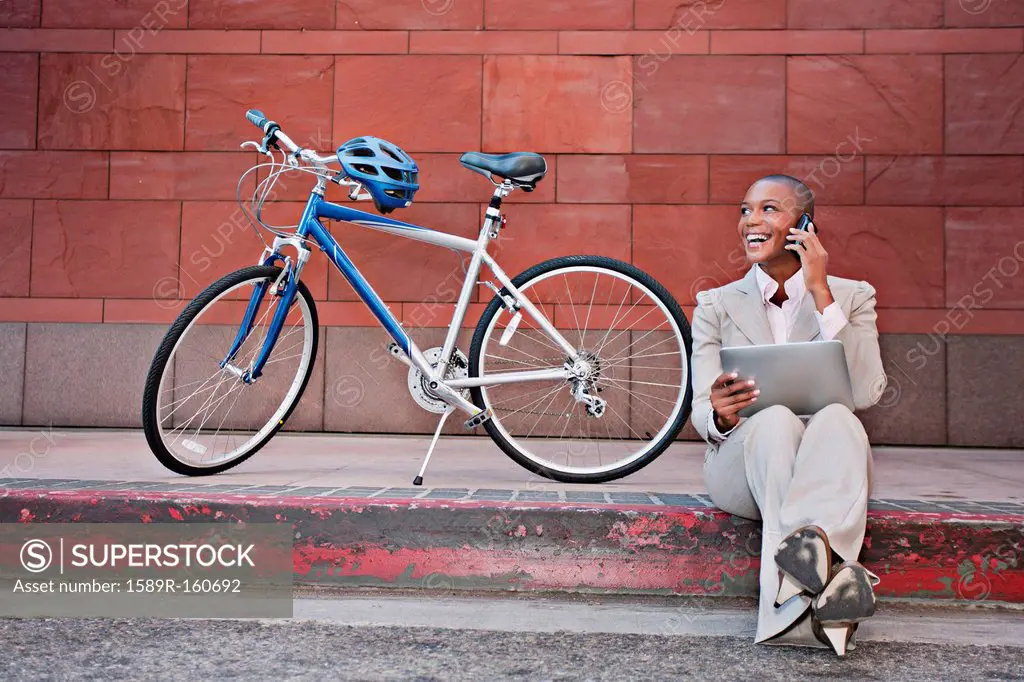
(584, 374)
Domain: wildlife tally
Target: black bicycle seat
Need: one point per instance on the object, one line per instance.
(523, 169)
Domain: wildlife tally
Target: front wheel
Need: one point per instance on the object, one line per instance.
(628, 393)
(201, 418)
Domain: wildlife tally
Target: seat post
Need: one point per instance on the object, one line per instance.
(492, 220)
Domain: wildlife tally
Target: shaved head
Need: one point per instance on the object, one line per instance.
(804, 195)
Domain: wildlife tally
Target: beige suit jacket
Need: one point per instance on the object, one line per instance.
(734, 315)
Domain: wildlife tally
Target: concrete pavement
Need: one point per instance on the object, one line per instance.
(333, 460)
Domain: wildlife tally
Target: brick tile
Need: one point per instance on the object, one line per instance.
(688, 248)
(118, 359)
(864, 14)
(12, 366)
(16, 226)
(984, 13)
(945, 180)
(18, 93)
(103, 248)
(255, 14)
(421, 103)
(373, 15)
(188, 42)
(115, 14)
(912, 409)
(56, 40)
(558, 14)
(938, 41)
(724, 120)
(51, 310)
(335, 42)
(538, 232)
(956, 320)
(633, 179)
(836, 179)
(983, 112)
(786, 42)
(141, 310)
(101, 102)
(898, 250)
(427, 272)
(20, 13)
(431, 313)
(984, 253)
(483, 42)
(350, 314)
(180, 175)
(216, 240)
(979, 415)
(657, 44)
(53, 175)
(222, 88)
(894, 103)
(575, 115)
(695, 15)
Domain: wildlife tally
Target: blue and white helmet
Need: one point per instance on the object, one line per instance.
(387, 172)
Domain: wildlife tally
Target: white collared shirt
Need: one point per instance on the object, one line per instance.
(782, 318)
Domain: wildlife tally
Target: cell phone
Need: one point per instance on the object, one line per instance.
(804, 223)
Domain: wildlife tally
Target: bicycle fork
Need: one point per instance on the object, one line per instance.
(285, 288)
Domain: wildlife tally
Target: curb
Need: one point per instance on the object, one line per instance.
(570, 547)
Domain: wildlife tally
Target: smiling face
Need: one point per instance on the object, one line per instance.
(768, 211)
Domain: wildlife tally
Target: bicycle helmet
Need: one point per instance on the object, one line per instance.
(387, 172)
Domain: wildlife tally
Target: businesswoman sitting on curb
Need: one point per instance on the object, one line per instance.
(809, 483)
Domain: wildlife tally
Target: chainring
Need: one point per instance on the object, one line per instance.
(419, 384)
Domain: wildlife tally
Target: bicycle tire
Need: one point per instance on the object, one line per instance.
(622, 268)
(150, 419)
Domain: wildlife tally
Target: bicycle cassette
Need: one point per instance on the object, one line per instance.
(419, 384)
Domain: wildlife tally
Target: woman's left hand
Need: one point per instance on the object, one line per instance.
(813, 261)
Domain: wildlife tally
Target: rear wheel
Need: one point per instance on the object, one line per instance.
(629, 392)
(200, 418)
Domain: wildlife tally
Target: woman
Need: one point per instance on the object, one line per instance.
(809, 483)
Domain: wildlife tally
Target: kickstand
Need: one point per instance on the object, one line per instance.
(440, 425)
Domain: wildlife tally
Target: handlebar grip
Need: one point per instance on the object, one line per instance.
(257, 118)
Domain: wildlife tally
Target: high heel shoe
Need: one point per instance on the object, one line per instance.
(804, 559)
(848, 599)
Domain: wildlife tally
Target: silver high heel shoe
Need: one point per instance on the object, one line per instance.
(804, 560)
(848, 599)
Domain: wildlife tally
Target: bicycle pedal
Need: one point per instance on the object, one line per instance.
(478, 419)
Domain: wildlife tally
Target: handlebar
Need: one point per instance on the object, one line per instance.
(274, 133)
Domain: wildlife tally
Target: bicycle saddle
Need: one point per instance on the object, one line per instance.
(524, 169)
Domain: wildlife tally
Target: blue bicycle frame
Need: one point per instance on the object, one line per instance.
(310, 227)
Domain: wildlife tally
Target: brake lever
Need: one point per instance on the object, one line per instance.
(262, 149)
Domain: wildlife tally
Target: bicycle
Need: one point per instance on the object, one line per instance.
(551, 373)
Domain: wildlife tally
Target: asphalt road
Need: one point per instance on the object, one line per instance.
(297, 650)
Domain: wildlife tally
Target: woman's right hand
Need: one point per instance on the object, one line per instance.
(729, 396)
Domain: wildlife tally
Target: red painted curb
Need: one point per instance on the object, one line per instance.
(611, 548)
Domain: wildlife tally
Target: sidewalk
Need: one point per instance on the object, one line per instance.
(944, 523)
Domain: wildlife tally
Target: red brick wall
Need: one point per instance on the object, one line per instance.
(122, 119)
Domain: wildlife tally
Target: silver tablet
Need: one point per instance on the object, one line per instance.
(804, 377)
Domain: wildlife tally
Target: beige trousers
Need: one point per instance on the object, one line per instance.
(774, 468)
